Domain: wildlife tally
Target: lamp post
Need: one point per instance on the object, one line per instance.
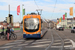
(22, 19)
(22, 9)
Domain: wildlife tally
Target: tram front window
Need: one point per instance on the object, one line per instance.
(31, 24)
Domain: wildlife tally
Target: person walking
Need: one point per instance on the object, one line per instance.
(8, 32)
(3, 29)
(2, 33)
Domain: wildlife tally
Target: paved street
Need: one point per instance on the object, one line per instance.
(45, 42)
(19, 36)
(37, 24)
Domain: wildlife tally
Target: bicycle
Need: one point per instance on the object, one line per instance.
(12, 36)
(1, 34)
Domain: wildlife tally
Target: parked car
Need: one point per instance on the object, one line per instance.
(61, 28)
(57, 27)
(73, 30)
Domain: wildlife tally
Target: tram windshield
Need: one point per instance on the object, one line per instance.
(31, 24)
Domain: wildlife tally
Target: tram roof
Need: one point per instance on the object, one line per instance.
(32, 16)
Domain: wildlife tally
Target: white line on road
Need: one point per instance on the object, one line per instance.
(6, 47)
(56, 43)
(13, 43)
(22, 44)
(67, 42)
(19, 40)
(68, 46)
(73, 43)
(41, 42)
(38, 45)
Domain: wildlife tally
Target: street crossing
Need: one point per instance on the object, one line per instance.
(43, 43)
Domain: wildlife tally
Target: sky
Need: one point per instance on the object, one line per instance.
(49, 9)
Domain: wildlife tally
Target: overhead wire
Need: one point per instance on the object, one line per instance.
(36, 4)
(38, 8)
(54, 8)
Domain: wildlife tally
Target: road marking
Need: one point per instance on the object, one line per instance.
(6, 47)
(56, 43)
(29, 41)
(56, 46)
(10, 43)
(19, 40)
(49, 40)
(13, 43)
(68, 46)
(38, 45)
(73, 43)
(42, 39)
(17, 47)
(67, 42)
(41, 42)
(22, 44)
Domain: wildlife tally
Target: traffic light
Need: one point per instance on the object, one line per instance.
(11, 18)
(6, 19)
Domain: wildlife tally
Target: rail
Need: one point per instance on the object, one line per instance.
(62, 42)
(51, 42)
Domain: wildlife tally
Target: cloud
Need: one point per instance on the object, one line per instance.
(69, 0)
(31, 6)
(48, 0)
(13, 5)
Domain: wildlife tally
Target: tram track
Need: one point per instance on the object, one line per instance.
(53, 40)
(27, 45)
(62, 41)
(23, 42)
(64, 36)
(54, 37)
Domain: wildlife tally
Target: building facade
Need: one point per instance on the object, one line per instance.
(68, 22)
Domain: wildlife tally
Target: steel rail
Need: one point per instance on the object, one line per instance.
(51, 42)
(28, 44)
(21, 43)
(62, 41)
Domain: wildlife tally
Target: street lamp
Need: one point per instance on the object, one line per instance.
(22, 9)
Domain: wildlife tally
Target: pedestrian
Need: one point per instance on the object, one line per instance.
(11, 30)
(2, 33)
(3, 29)
(8, 31)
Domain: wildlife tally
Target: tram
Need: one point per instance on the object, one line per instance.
(33, 26)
